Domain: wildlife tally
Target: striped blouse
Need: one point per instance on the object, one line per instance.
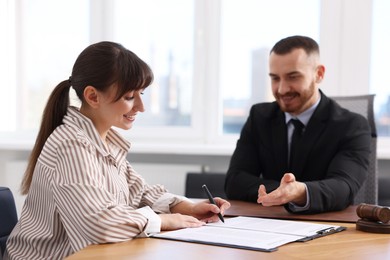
(83, 194)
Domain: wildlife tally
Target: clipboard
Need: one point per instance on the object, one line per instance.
(259, 234)
(321, 233)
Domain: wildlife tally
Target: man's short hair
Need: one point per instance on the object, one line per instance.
(288, 44)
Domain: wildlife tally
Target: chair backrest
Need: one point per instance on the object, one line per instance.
(364, 105)
(8, 215)
(215, 183)
(384, 191)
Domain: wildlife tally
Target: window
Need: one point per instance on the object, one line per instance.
(209, 57)
(248, 32)
(161, 33)
(41, 48)
(380, 55)
(7, 65)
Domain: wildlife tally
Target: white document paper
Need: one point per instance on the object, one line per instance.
(302, 229)
(249, 232)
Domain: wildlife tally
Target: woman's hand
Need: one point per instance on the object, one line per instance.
(176, 221)
(208, 212)
(203, 210)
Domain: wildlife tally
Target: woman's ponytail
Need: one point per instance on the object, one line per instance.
(53, 115)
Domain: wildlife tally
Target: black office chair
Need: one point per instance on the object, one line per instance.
(364, 105)
(215, 183)
(384, 191)
(8, 216)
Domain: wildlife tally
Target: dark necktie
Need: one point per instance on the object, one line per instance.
(295, 142)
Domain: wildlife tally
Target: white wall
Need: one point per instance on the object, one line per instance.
(11, 178)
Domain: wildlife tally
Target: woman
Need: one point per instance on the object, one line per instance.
(80, 188)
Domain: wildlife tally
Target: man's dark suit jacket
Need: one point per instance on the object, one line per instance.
(333, 160)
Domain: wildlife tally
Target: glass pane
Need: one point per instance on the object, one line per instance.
(161, 33)
(249, 29)
(52, 34)
(7, 65)
(380, 55)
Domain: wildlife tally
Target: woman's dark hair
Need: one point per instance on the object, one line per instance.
(99, 65)
(288, 44)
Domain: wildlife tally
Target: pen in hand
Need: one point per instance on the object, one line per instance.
(212, 201)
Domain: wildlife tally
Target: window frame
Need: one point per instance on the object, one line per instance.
(343, 24)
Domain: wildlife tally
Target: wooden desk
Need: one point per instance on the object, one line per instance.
(248, 209)
(348, 244)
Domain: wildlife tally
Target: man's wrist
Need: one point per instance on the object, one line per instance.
(301, 200)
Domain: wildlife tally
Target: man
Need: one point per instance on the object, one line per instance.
(326, 165)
